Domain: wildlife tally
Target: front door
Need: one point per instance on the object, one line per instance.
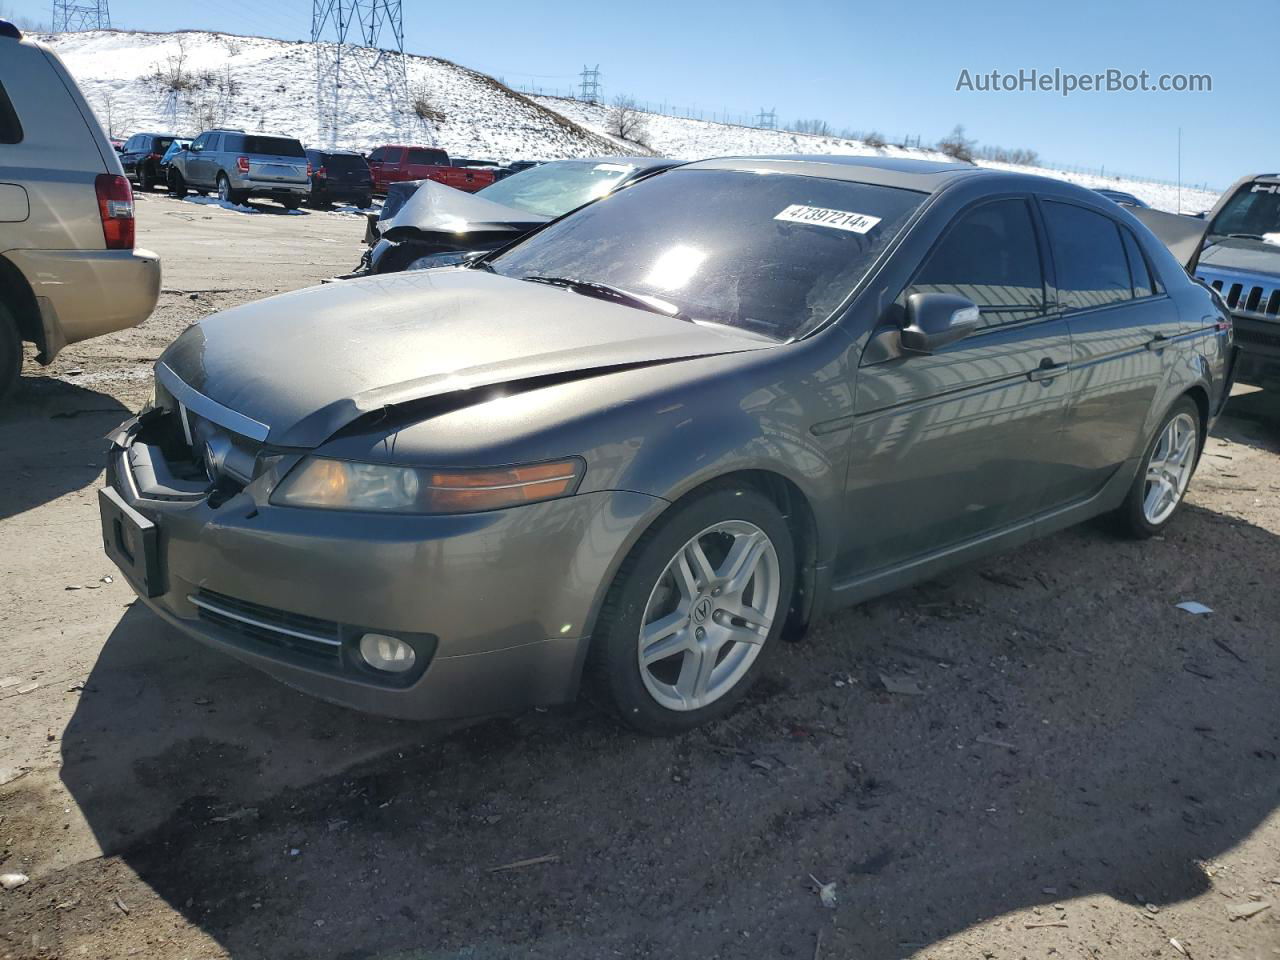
(953, 445)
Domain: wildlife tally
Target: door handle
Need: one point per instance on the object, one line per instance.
(1158, 342)
(1047, 370)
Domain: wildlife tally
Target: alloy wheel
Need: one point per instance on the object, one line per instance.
(708, 615)
(224, 189)
(1169, 469)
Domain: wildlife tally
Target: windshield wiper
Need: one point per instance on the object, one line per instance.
(1246, 236)
(603, 291)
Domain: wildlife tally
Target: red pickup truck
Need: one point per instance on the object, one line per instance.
(391, 164)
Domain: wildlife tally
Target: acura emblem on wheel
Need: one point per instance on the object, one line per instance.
(702, 610)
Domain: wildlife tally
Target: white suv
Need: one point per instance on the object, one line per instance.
(68, 269)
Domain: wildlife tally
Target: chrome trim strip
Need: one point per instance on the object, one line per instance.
(260, 624)
(210, 409)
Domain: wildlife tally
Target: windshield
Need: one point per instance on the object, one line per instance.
(1253, 212)
(556, 188)
(771, 254)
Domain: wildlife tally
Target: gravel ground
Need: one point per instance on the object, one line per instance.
(1086, 770)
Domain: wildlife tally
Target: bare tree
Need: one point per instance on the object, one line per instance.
(423, 106)
(108, 115)
(817, 128)
(627, 122)
(957, 145)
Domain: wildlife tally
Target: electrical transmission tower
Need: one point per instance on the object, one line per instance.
(591, 84)
(69, 16)
(767, 119)
(356, 72)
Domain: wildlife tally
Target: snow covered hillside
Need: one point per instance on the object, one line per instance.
(690, 139)
(269, 85)
(188, 81)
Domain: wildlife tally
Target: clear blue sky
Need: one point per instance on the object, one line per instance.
(881, 66)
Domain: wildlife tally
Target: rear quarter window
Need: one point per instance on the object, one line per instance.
(10, 128)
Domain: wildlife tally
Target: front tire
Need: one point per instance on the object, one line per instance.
(177, 184)
(1166, 469)
(695, 610)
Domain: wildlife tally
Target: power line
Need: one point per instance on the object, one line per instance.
(359, 48)
(70, 16)
(591, 86)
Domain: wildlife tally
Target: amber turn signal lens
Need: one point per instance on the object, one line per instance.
(467, 491)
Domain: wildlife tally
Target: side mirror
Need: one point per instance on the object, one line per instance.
(937, 319)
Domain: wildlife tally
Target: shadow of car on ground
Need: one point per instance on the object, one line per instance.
(51, 432)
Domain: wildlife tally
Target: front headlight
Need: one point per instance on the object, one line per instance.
(385, 488)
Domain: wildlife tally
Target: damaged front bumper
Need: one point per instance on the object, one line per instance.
(497, 606)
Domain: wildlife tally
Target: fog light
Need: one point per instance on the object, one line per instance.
(386, 653)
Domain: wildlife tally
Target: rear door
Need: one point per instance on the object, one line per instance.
(1119, 316)
(951, 446)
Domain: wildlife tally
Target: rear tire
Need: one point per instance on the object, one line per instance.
(145, 180)
(291, 204)
(677, 609)
(226, 194)
(10, 353)
(177, 184)
(1164, 473)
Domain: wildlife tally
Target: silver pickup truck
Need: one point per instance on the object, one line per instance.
(239, 165)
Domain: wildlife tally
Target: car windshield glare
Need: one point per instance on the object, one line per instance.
(556, 188)
(771, 254)
(1254, 211)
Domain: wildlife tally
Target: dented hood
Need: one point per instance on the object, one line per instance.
(437, 210)
(305, 364)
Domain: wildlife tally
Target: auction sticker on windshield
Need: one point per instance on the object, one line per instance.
(823, 217)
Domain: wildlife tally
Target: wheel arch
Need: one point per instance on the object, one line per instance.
(796, 509)
(16, 294)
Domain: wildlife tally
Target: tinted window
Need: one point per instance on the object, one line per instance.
(378, 155)
(1088, 254)
(199, 143)
(215, 142)
(437, 157)
(344, 163)
(990, 256)
(10, 128)
(130, 145)
(161, 144)
(273, 146)
(771, 254)
(1138, 269)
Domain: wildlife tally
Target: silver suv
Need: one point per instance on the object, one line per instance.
(241, 165)
(68, 269)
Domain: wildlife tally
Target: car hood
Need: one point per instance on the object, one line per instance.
(305, 364)
(436, 210)
(1248, 256)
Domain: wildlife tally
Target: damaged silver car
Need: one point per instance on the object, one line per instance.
(648, 439)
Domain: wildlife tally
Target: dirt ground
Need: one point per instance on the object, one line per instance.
(1086, 772)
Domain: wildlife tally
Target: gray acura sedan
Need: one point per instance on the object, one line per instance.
(643, 442)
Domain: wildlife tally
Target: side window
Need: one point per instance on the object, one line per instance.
(10, 128)
(991, 256)
(130, 145)
(215, 142)
(378, 155)
(198, 144)
(1138, 269)
(421, 156)
(1092, 268)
